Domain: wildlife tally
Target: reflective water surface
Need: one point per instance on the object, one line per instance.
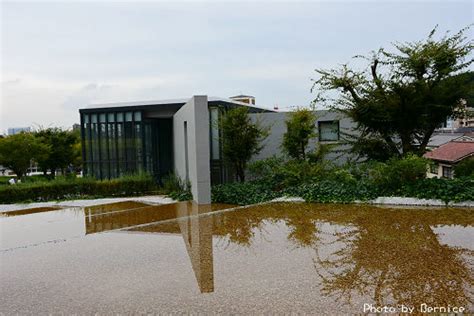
(275, 258)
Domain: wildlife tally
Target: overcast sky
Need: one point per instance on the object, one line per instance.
(58, 57)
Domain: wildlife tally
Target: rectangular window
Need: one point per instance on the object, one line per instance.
(128, 117)
(328, 131)
(112, 149)
(120, 149)
(447, 172)
(138, 116)
(215, 154)
(186, 150)
(130, 150)
(434, 168)
(148, 148)
(138, 146)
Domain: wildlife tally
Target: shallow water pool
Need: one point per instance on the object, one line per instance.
(132, 257)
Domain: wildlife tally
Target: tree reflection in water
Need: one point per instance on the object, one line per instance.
(391, 256)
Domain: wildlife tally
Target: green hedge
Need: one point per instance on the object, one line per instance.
(447, 190)
(339, 191)
(243, 193)
(61, 189)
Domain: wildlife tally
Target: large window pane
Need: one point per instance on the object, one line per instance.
(121, 148)
(148, 148)
(129, 147)
(87, 147)
(138, 147)
(328, 130)
(215, 154)
(111, 117)
(138, 116)
(112, 149)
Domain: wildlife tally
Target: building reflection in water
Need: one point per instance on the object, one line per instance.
(178, 218)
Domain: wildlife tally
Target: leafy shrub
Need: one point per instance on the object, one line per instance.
(457, 190)
(243, 193)
(465, 168)
(396, 172)
(265, 168)
(300, 129)
(176, 188)
(334, 191)
(279, 174)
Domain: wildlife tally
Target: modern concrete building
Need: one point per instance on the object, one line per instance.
(181, 136)
(158, 137)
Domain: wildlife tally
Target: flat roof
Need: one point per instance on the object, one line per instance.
(175, 102)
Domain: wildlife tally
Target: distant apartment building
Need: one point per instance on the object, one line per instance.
(16, 130)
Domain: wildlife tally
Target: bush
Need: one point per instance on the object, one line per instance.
(279, 174)
(457, 190)
(334, 191)
(176, 188)
(63, 188)
(465, 168)
(397, 172)
(324, 183)
(243, 193)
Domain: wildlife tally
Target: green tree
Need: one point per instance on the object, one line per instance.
(299, 131)
(19, 150)
(242, 139)
(465, 168)
(403, 96)
(63, 150)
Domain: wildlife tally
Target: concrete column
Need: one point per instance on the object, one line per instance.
(192, 148)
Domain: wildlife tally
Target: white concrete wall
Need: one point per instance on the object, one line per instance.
(196, 113)
(276, 121)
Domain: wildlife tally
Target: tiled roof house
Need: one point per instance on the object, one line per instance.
(448, 155)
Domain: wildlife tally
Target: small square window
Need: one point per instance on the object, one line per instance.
(111, 117)
(128, 116)
(328, 131)
(120, 117)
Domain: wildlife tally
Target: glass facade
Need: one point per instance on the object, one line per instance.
(120, 143)
(219, 172)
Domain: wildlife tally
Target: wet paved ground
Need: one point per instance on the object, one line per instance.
(131, 257)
